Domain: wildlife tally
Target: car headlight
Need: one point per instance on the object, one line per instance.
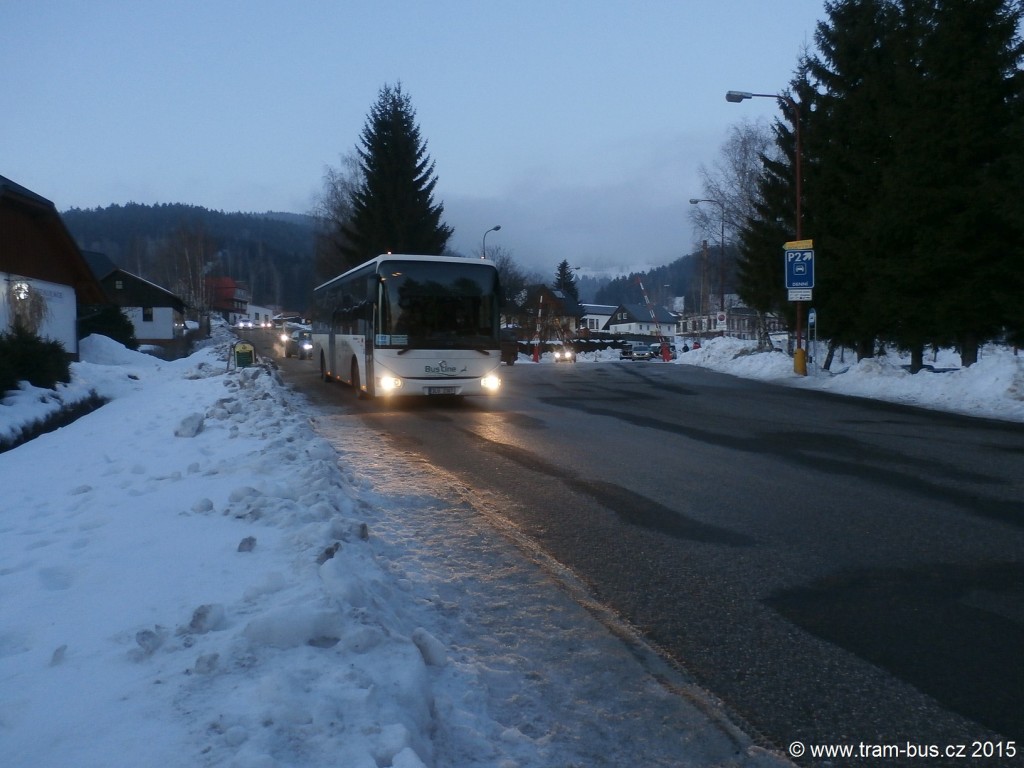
(307, 346)
(491, 383)
(285, 337)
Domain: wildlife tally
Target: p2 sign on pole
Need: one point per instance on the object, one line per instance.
(799, 255)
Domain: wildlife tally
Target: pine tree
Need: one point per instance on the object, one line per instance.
(393, 208)
(848, 139)
(565, 281)
(916, 106)
(964, 268)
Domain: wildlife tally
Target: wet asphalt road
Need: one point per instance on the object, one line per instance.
(836, 571)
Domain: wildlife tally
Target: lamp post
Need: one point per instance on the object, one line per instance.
(800, 356)
(721, 254)
(483, 248)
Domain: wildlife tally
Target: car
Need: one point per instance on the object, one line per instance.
(299, 344)
(640, 351)
(244, 322)
(564, 354)
(509, 346)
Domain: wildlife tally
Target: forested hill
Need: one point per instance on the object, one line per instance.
(173, 244)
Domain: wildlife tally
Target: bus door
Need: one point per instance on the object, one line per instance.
(370, 327)
(332, 352)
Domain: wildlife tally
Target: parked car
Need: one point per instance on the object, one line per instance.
(299, 344)
(564, 354)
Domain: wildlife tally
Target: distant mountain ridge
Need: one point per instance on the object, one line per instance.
(271, 252)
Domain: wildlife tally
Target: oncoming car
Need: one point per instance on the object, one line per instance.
(299, 344)
(641, 351)
(564, 354)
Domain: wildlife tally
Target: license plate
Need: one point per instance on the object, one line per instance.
(442, 390)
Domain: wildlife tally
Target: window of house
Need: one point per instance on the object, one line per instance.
(147, 314)
(119, 285)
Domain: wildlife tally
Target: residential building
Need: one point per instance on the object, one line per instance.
(156, 314)
(595, 317)
(641, 320)
(228, 298)
(45, 282)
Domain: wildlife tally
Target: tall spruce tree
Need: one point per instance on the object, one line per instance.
(916, 106)
(565, 281)
(848, 139)
(965, 263)
(393, 209)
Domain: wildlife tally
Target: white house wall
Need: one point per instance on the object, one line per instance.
(161, 328)
(639, 329)
(60, 320)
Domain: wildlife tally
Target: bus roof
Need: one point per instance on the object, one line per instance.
(404, 257)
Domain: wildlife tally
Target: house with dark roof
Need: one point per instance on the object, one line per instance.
(549, 314)
(595, 316)
(45, 282)
(638, 320)
(156, 314)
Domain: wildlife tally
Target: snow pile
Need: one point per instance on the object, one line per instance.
(216, 596)
(190, 576)
(992, 387)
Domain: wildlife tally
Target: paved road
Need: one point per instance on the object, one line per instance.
(837, 571)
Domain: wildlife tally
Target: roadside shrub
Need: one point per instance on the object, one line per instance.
(111, 322)
(24, 356)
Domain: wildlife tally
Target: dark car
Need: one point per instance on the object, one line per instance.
(299, 344)
(509, 346)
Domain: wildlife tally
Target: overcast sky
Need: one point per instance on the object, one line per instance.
(577, 125)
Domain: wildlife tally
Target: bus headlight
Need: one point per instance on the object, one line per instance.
(490, 383)
(390, 383)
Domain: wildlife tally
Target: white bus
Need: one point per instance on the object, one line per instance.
(410, 325)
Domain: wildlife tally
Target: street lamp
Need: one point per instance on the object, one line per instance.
(483, 248)
(800, 356)
(721, 255)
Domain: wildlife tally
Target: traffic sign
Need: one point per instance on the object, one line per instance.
(799, 255)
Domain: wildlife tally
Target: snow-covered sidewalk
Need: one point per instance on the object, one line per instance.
(193, 575)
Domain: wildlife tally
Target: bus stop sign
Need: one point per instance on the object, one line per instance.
(799, 264)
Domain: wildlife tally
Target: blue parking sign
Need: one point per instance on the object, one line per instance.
(799, 264)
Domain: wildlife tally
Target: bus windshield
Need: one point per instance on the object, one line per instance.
(435, 305)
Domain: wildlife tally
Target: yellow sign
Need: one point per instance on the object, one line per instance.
(798, 245)
(245, 355)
